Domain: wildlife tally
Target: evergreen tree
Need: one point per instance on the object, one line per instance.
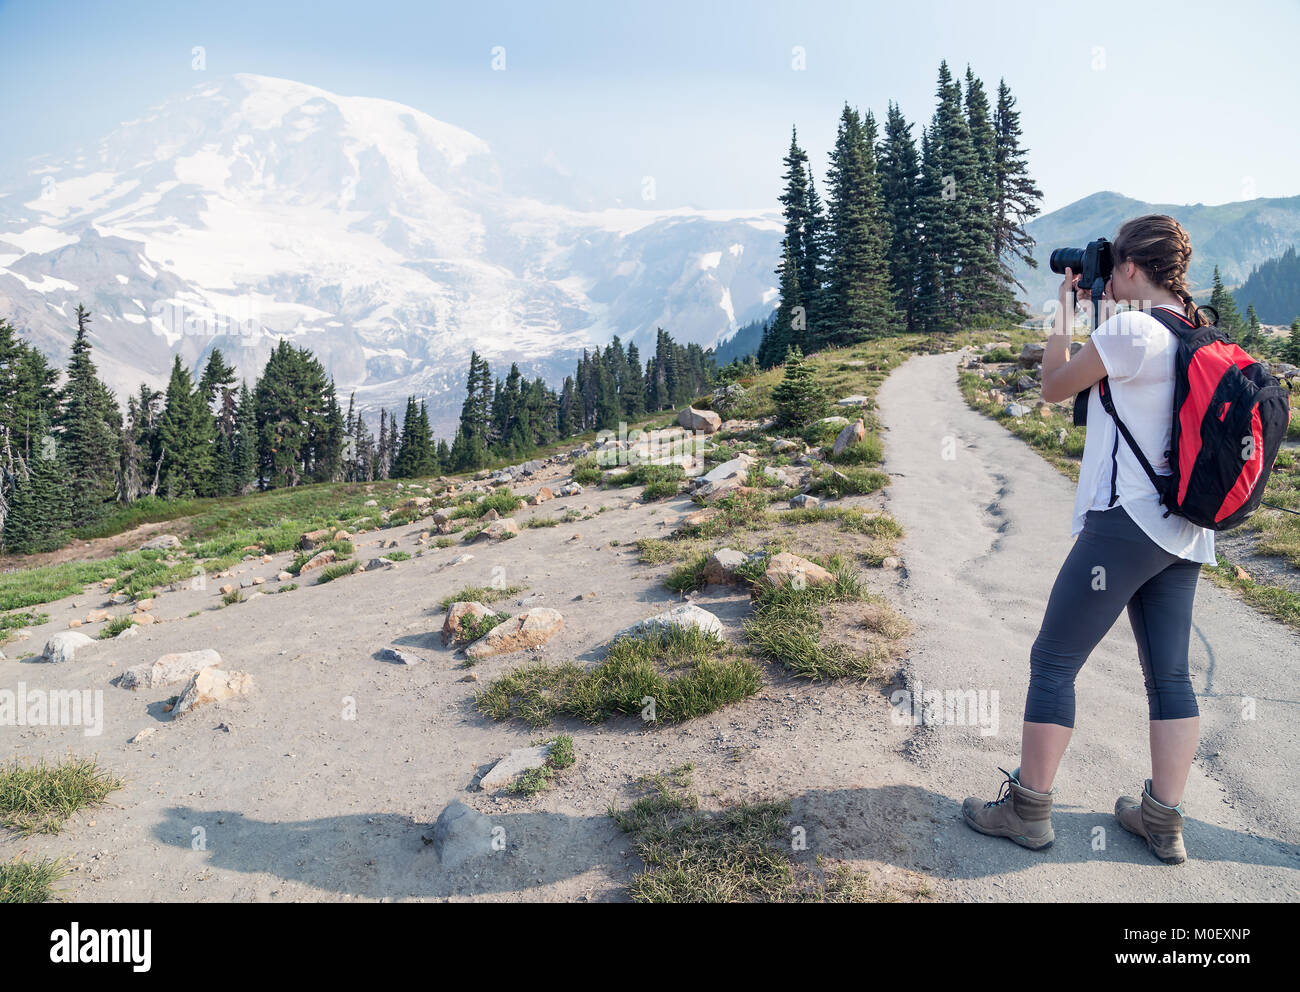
(1017, 197)
(929, 310)
(1225, 306)
(786, 330)
(900, 188)
(858, 303)
(633, 394)
(986, 294)
(291, 403)
(1291, 353)
(798, 397)
(38, 507)
(1252, 341)
(245, 472)
(186, 435)
(88, 426)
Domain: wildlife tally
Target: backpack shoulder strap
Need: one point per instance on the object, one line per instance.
(1107, 401)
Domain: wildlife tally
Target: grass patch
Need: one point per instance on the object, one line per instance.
(29, 881)
(868, 451)
(41, 797)
(540, 521)
(15, 621)
(503, 500)
(853, 480)
(396, 555)
(685, 671)
(472, 628)
(787, 627)
(738, 854)
(232, 597)
(341, 549)
(115, 626)
(288, 587)
(336, 571)
(535, 780)
(480, 594)
(688, 576)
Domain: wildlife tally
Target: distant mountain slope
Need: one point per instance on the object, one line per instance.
(380, 237)
(1235, 236)
(1274, 289)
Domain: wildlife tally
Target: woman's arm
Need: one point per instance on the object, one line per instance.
(1063, 376)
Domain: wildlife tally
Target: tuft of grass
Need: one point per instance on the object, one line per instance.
(868, 451)
(587, 471)
(787, 627)
(396, 555)
(503, 500)
(29, 881)
(115, 626)
(660, 481)
(233, 597)
(688, 576)
(472, 628)
(288, 587)
(41, 797)
(850, 481)
(685, 671)
(534, 780)
(14, 621)
(737, 854)
(542, 522)
(480, 594)
(336, 571)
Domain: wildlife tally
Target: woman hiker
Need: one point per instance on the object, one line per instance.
(1128, 553)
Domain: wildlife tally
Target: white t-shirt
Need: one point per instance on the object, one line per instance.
(1139, 354)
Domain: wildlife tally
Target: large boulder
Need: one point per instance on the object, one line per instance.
(498, 530)
(529, 629)
(177, 667)
(686, 616)
(64, 646)
(211, 685)
(315, 538)
(320, 560)
(720, 569)
(851, 435)
(1031, 354)
(457, 614)
(461, 834)
(162, 542)
(789, 569)
(699, 420)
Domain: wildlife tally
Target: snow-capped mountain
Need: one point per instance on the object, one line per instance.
(381, 238)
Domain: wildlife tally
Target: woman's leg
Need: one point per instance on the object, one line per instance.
(1161, 616)
(1111, 559)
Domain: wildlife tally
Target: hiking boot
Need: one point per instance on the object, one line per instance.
(1160, 825)
(1019, 814)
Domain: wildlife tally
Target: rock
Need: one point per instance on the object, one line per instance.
(211, 685)
(513, 765)
(371, 502)
(320, 560)
(1242, 574)
(313, 539)
(781, 446)
(442, 516)
(143, 619)
(401, 657)
(142, 735)
(458, 560)
(699, 420)
(805, 502)
(834, 421)
(687, 615)
(246, 582)
(64, 646)
(1017, 410)
(790, 569)
(285, 576)
(851, 434)
(1044, 410)
(529, 629)
(1024, 384)
(98, 616)
(571, 489)
(499, 529)
(1031, 354)
(457, 614)
(892, 561)
(73, 624)
(161, 543)
(377, 563)
(144, 605)
(720, 569)
(461, 834)
(543, 495)
(176, 667)
(259, 580)
(129, 632)
(491, 515)
(698, 517)
(852, 401)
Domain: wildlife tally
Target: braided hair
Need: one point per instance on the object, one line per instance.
(1160, 247)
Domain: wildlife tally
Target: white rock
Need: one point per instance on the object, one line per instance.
(686, 616)
(64, 646)
(513, 765)
(177, 667)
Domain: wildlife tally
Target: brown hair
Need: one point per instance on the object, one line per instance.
(1161, 248)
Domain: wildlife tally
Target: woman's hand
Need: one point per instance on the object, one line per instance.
(1065, 303)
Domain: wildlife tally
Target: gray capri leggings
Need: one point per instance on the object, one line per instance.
(1114, 564)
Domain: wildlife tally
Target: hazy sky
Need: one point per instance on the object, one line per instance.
(1164, 101)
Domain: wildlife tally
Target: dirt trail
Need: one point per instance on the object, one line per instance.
(988, 528)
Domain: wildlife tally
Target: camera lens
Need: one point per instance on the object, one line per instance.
(1063, 258)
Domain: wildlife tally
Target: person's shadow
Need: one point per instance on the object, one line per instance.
(387, 855)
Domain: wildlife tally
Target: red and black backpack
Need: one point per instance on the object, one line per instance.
(1230, 416)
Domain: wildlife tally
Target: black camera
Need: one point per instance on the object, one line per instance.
(1092, 265)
